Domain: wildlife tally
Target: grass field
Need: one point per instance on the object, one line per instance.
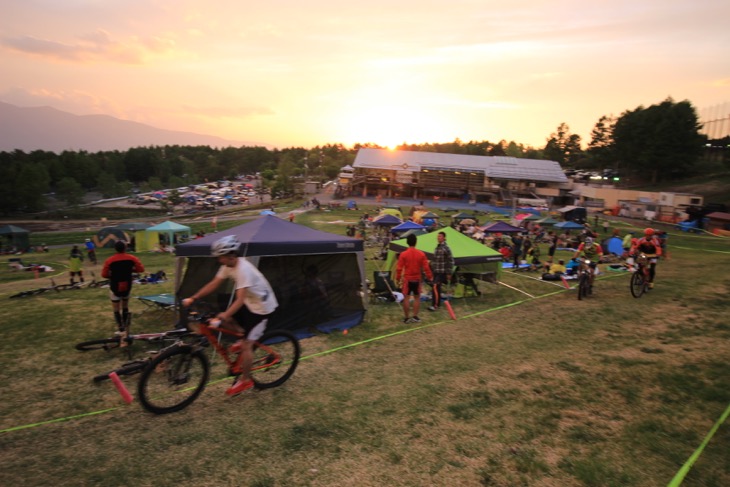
(519, 391)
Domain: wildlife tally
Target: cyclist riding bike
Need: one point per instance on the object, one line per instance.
(592, 252)
(253, 303)
(649, 246)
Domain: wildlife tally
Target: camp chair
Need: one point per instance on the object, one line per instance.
(159, 302)
(382, 285)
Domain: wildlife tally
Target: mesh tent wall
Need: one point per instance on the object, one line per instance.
(318, 277)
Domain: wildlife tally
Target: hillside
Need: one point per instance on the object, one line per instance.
(714, 188)
(46, 128)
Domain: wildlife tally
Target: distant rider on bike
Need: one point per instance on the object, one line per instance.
(649, 246)
(592, 252)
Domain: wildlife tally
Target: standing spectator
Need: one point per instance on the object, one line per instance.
(553, 238)
(291, 216)
(412, 264)
(91, 251)
(75, 262)
(605, 226)
(516, 250)
(442, 267)
(119, 269)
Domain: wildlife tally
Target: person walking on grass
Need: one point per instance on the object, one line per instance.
(442, 267)
(119, 269)
(412, 265)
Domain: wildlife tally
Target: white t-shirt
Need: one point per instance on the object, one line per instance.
(260, 298)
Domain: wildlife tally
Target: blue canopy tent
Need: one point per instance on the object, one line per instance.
(569, 225)
(405, 226)
(387, 220)
(168, 230)
(299, 262)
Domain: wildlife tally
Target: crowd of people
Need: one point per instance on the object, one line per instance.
(522, 251)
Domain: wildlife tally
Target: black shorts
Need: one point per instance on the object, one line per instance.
(412, 288)
(254, 325)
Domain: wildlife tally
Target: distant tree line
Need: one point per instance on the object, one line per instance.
(661, 142)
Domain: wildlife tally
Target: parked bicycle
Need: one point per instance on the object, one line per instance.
(640, 279)
(116, 341)
(175, 378)
(35, 292)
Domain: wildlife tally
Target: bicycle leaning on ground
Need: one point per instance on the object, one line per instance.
(175, 378)
(640, 278)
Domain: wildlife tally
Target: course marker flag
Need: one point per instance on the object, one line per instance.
(450, 310)
(121, 388)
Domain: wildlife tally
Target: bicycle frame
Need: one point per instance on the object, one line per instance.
(210, 332)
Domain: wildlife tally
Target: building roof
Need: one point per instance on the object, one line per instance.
(496, 167)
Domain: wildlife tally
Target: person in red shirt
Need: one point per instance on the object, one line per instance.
(119, 269)
(649, 246)
(412, 265)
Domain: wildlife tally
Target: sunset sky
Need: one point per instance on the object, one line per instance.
(288, 73)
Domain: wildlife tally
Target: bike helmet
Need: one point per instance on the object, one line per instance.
(226, 245)
(649, 232)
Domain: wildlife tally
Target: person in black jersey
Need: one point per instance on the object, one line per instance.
(119, 269)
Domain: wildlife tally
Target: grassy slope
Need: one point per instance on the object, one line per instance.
(549, 392)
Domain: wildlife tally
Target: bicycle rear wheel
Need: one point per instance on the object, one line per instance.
(100, 344)
(275, 357)
(129, 368)
(637, 284)
(173, 379)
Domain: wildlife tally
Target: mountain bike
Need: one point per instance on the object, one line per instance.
(176, 377)
(639, 283)
(116, 341)
(585, 278)
(35, 292)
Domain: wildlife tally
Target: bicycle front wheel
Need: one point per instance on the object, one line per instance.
(173, 380)
(638, 285)
(100, 344)
(583, 283)
(275, 357)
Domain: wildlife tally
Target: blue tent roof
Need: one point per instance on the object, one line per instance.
(168, 226)
(405, 226)
(387, 220)
(270, 235)
(569, 225)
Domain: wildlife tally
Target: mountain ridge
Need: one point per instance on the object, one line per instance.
(51, 129)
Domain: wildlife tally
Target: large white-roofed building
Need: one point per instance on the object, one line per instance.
(425, 174)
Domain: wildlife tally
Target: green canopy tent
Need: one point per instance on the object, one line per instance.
(547, 221)
(167, 230)
(135, 232)
(16, 237)
(470, 256)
